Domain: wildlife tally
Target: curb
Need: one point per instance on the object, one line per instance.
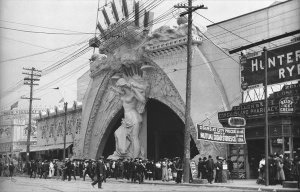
(258, 188)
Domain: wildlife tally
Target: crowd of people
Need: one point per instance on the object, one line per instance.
(134, 170)
(281, 168)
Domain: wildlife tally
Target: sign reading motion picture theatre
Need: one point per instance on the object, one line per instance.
(221, 135)
(283, 65)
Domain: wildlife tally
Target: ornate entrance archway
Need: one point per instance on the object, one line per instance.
(162, 133)
(105, 112)
(101, 105)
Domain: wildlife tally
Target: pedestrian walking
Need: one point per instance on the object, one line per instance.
(179, 169)
(219, 168)
(33, 168)
(280, 177)
(140, 169)
(68, 169)
(200, 168)
(51, 169)
(11, 168)
(45, 168)
(59, 165)
(73, 169)
(164, 168)
(210, 169)
(99, 172)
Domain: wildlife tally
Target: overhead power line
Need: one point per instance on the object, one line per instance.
(43, 52)
(48, 33)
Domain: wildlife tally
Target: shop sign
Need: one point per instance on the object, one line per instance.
(237, 121)
(221, 135)
(20, 112)
(286, 105)
(250, 109)
(283, 66)
(288, 91)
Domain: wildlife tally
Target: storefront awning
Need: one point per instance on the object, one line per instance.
(48, 147)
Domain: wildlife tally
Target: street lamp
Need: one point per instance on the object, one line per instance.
(65, 131)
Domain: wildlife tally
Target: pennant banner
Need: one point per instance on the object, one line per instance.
(221, 135)
(15, 105)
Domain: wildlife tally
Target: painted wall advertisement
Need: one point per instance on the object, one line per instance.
(221, 135)
(283, 65)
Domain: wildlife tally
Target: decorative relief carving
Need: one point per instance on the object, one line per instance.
(60, 128)
(164, 41)
(161, 88)
(103, 86)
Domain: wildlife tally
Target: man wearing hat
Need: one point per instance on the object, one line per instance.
(99, 172)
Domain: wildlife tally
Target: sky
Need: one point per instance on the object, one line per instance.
(37, 33)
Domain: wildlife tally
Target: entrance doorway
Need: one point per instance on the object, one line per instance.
(165, 132)
(256, 151)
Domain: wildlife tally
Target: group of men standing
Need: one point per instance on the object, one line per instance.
(45, 169)
(206, 168)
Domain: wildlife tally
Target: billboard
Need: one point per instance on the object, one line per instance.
(283, 65)
(221, 135)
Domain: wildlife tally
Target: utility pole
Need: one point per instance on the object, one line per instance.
(266, 116)
(33, 76)
(187, 132)
(65, 131)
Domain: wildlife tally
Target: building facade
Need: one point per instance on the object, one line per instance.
(51, 129)
(13, 132)
(283, 88)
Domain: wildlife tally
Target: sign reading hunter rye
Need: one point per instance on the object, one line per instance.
(283, 65)
(221, 135)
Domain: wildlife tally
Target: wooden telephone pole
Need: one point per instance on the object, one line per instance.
(187, 132)
(33, 76)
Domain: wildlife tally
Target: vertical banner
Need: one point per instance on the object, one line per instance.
(194, 170)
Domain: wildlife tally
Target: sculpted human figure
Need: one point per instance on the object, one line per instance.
(132, 93)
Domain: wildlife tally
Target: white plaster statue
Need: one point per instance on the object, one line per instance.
(132, 93)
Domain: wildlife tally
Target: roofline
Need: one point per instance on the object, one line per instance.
(249, 13)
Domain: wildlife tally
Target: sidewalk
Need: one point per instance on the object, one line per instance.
(243, 184)
(246, 184)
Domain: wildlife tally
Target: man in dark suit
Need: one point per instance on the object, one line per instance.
(33, 169)
(219, 168)
(99, 172)
(210, 165)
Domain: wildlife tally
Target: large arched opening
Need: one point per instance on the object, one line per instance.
(108, 139)
(165, 133)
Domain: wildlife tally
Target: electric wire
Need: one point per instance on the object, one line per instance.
(43, 32)
(46, 71)
(39, 26)
(43, 52)
(19, 84)
(253, 23)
